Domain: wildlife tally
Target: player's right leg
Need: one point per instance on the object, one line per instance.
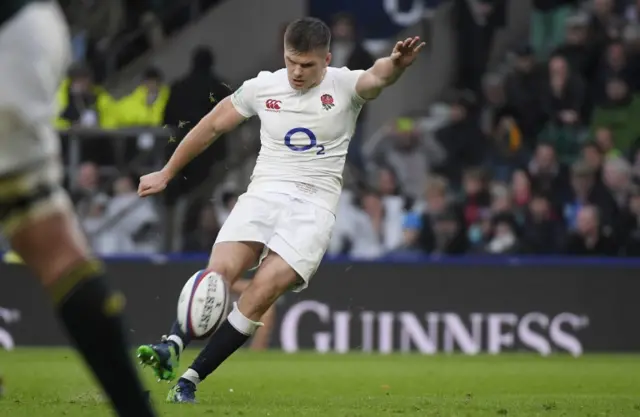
(36, 214)
(228, 259)
(262, 336)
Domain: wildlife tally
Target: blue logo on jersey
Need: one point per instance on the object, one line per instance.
(312, 141)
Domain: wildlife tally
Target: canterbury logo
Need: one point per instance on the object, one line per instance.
(273, 104)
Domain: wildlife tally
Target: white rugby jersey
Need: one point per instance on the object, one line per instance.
(304, 134)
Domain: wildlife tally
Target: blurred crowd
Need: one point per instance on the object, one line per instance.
(542, 156)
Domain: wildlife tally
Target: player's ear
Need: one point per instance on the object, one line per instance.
(328, 58)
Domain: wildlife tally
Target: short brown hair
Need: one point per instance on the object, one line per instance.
(307, 34)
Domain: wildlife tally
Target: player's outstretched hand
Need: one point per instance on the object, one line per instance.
(405, 52)
(153, 183)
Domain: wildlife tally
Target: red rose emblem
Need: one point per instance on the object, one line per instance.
(327, 99)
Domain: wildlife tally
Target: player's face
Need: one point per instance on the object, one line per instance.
(306, 69)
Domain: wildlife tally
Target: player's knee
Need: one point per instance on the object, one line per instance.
(225, 269)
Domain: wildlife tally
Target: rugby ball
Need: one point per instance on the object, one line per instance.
(203, 304)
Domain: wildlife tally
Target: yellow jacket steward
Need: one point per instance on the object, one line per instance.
(105, 106)
(134, 109)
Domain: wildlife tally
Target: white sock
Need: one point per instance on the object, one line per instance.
(191, 375)
(241, 323)
(178, 341)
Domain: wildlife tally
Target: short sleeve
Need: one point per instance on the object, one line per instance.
(348, 80)
(243, 99)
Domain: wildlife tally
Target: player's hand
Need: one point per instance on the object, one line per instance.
(153, 183)
(405, 52)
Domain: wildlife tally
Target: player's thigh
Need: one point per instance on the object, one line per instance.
(302, 240)
(232, 259)
(37, 217)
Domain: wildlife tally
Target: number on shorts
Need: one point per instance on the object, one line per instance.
(313, 142)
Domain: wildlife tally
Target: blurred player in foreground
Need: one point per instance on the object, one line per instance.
(35, 213)
(308, 113)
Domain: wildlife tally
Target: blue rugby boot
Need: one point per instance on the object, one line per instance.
(184, 392)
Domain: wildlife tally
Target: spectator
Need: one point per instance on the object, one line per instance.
(520, 190)
(562, 101)
(606, 143)
(80, 102)
(348, 51)
(130, 223)
(86, 190)
(604, 25)
(145, 106)
(370, 231)
(617, 179)
(229, 200)
(190, 99)
(630, 225)
(548, 175)
(586, 190)
(204, 236)
(581, 55)
(589, 238)
(522, 89)
(498, 124)
(393, 200)
(548, 24)
(462, 139)
(620, 114)
(411, 154)
(592, 155)
(504, 238)
(613, 66)
(543, 231)
(476, 205)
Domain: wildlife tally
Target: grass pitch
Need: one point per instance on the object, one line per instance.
(53, 382)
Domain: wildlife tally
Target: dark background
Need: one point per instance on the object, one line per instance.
(606, 294)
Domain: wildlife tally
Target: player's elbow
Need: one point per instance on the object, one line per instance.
(223, 118)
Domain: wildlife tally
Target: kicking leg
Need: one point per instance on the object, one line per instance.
(229, 260)
(274, 278)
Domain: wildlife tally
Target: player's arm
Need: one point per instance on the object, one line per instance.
(221, 119)
(386, 71)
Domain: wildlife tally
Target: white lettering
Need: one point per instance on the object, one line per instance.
(6, 340)
(291, 321)
(402, 18)
(563, 339)
(496, 338)
(456, 333)
(341, 331)
(367, 318)
(532, 339)
(412, 333)
(385, 332)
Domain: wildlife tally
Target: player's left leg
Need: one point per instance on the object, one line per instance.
(274, 278)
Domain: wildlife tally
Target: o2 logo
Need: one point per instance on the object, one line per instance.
(313, 142)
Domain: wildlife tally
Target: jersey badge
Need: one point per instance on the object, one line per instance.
(327, 101)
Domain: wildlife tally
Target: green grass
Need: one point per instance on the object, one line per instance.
(42, 383)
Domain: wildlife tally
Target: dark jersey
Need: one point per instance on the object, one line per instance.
(9, 8)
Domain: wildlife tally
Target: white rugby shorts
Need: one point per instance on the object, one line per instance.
(34, 57)
(295, 229)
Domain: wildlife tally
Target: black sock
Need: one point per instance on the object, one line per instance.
(176, 331)
(91, 314)
(220, 346)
